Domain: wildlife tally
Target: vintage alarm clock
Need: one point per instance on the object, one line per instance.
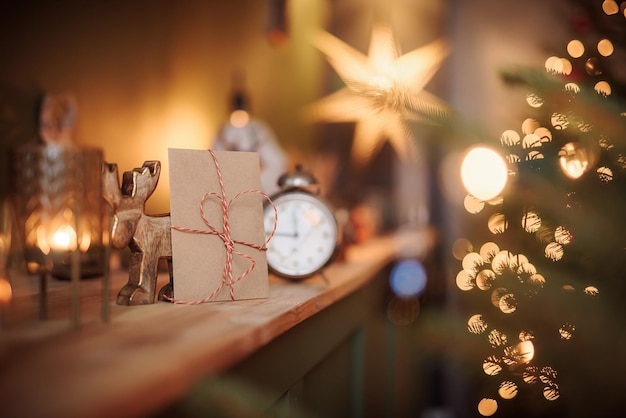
(307, 235)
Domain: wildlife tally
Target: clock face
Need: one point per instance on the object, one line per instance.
(306, 235)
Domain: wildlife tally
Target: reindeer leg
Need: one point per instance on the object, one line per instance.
(168, 289)
(125, 294)
(141, 285)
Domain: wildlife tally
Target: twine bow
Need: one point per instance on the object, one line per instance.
(226, 237)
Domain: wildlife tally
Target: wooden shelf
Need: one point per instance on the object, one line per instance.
(148, 356)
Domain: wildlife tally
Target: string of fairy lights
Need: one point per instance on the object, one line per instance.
(567, 161)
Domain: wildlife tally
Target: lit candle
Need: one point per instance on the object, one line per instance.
(64, 238)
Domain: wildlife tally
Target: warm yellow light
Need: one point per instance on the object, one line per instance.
(484, 173)
(384, 90)
(239, 118)
(605, 47)
(61, 239)
(6, 292)
(525, 351)
(464, 280)
(575, 48)
(487, 407)
(477, 324)
(507, 390)
(64, 238)
(575, 159)
(603, 88)
(610, 7)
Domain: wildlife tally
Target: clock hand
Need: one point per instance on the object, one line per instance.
(286, 234)
(294, 218)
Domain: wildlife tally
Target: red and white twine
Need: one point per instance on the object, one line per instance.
(226, 237)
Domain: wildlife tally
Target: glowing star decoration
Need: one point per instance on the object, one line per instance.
(384, 90)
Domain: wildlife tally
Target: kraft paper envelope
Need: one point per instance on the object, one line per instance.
(198, 259)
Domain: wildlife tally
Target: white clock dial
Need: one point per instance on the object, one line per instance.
(305, 238)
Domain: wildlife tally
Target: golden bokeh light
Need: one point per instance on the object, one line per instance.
(525, 350)
(562, 235)
(559, 121)
(502, 261)
(544, 134)
(508, 303)
(566, 331)
(572, 88)
(531, 141)
(496, 338)
(547, 375)
(507, 390)
(575, 48)
(464, 280)
(556, 65)
(530, 125)
(534, 100)
(472, 261)
(497, 223)
(509, 138)
(485, 279)
(554, 251)
(575, 159)
(610, 7)
(487, 407)
(496, 295)
(534, 155)
(531, 222)
(461, 247)
(551, 392)
(531, 375)
(605, 174)
(492, 366)
(484, 173)
(489, 250)
(602, 88)
(526, 268)
(526, 336)
(605, 47)
(472, 204)
(477, 324)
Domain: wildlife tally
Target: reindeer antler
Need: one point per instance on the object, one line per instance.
(110, 184)
(141, 182)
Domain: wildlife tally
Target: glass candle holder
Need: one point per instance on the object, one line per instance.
(60, 214)
(59, 206)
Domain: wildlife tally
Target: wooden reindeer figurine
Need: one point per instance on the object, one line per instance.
(148, 237)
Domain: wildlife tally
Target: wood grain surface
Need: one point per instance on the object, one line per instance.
(148, 356)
